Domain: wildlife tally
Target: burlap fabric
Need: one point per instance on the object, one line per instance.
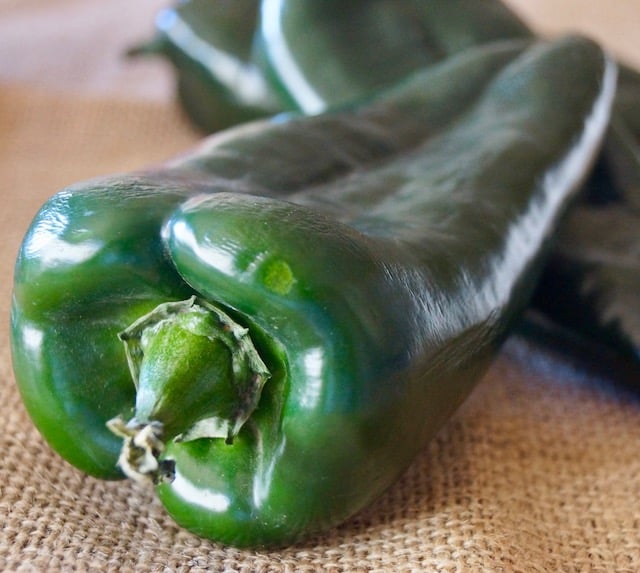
(538, 472)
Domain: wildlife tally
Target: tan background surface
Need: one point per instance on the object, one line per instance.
(539, 471)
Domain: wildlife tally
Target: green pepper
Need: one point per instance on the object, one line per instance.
(591, 284)
(270, 328)
(326, 54)
(236, 59)
(209, 43)
(587, 286)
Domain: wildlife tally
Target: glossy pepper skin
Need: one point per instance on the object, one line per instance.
(377, 257)
(210, 45)
(592, 282)
(597, 258)
(318, 56)
(231, 56)
(326, 54)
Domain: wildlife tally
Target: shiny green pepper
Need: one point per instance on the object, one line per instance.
(210, 45)
(240, 59)
(592, 282)
(270, 328)
(322, 55)
(319, 55)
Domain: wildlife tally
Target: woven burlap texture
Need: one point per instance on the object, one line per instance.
(538, 472)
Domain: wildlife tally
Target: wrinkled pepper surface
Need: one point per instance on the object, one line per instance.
(270, 328)
(319, 55)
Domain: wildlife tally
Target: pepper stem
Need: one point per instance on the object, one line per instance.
(197, 374)
(141, 449)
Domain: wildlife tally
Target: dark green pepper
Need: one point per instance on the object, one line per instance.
(304, 301)
(210, 45)
(319, 55)
(326, 54)
(592, 282)
(237, 59)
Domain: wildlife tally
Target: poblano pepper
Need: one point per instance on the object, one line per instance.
(270, 328)
(225, 51)
(209, 44)
(592, 282)
(318, 55)
(322, 55)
